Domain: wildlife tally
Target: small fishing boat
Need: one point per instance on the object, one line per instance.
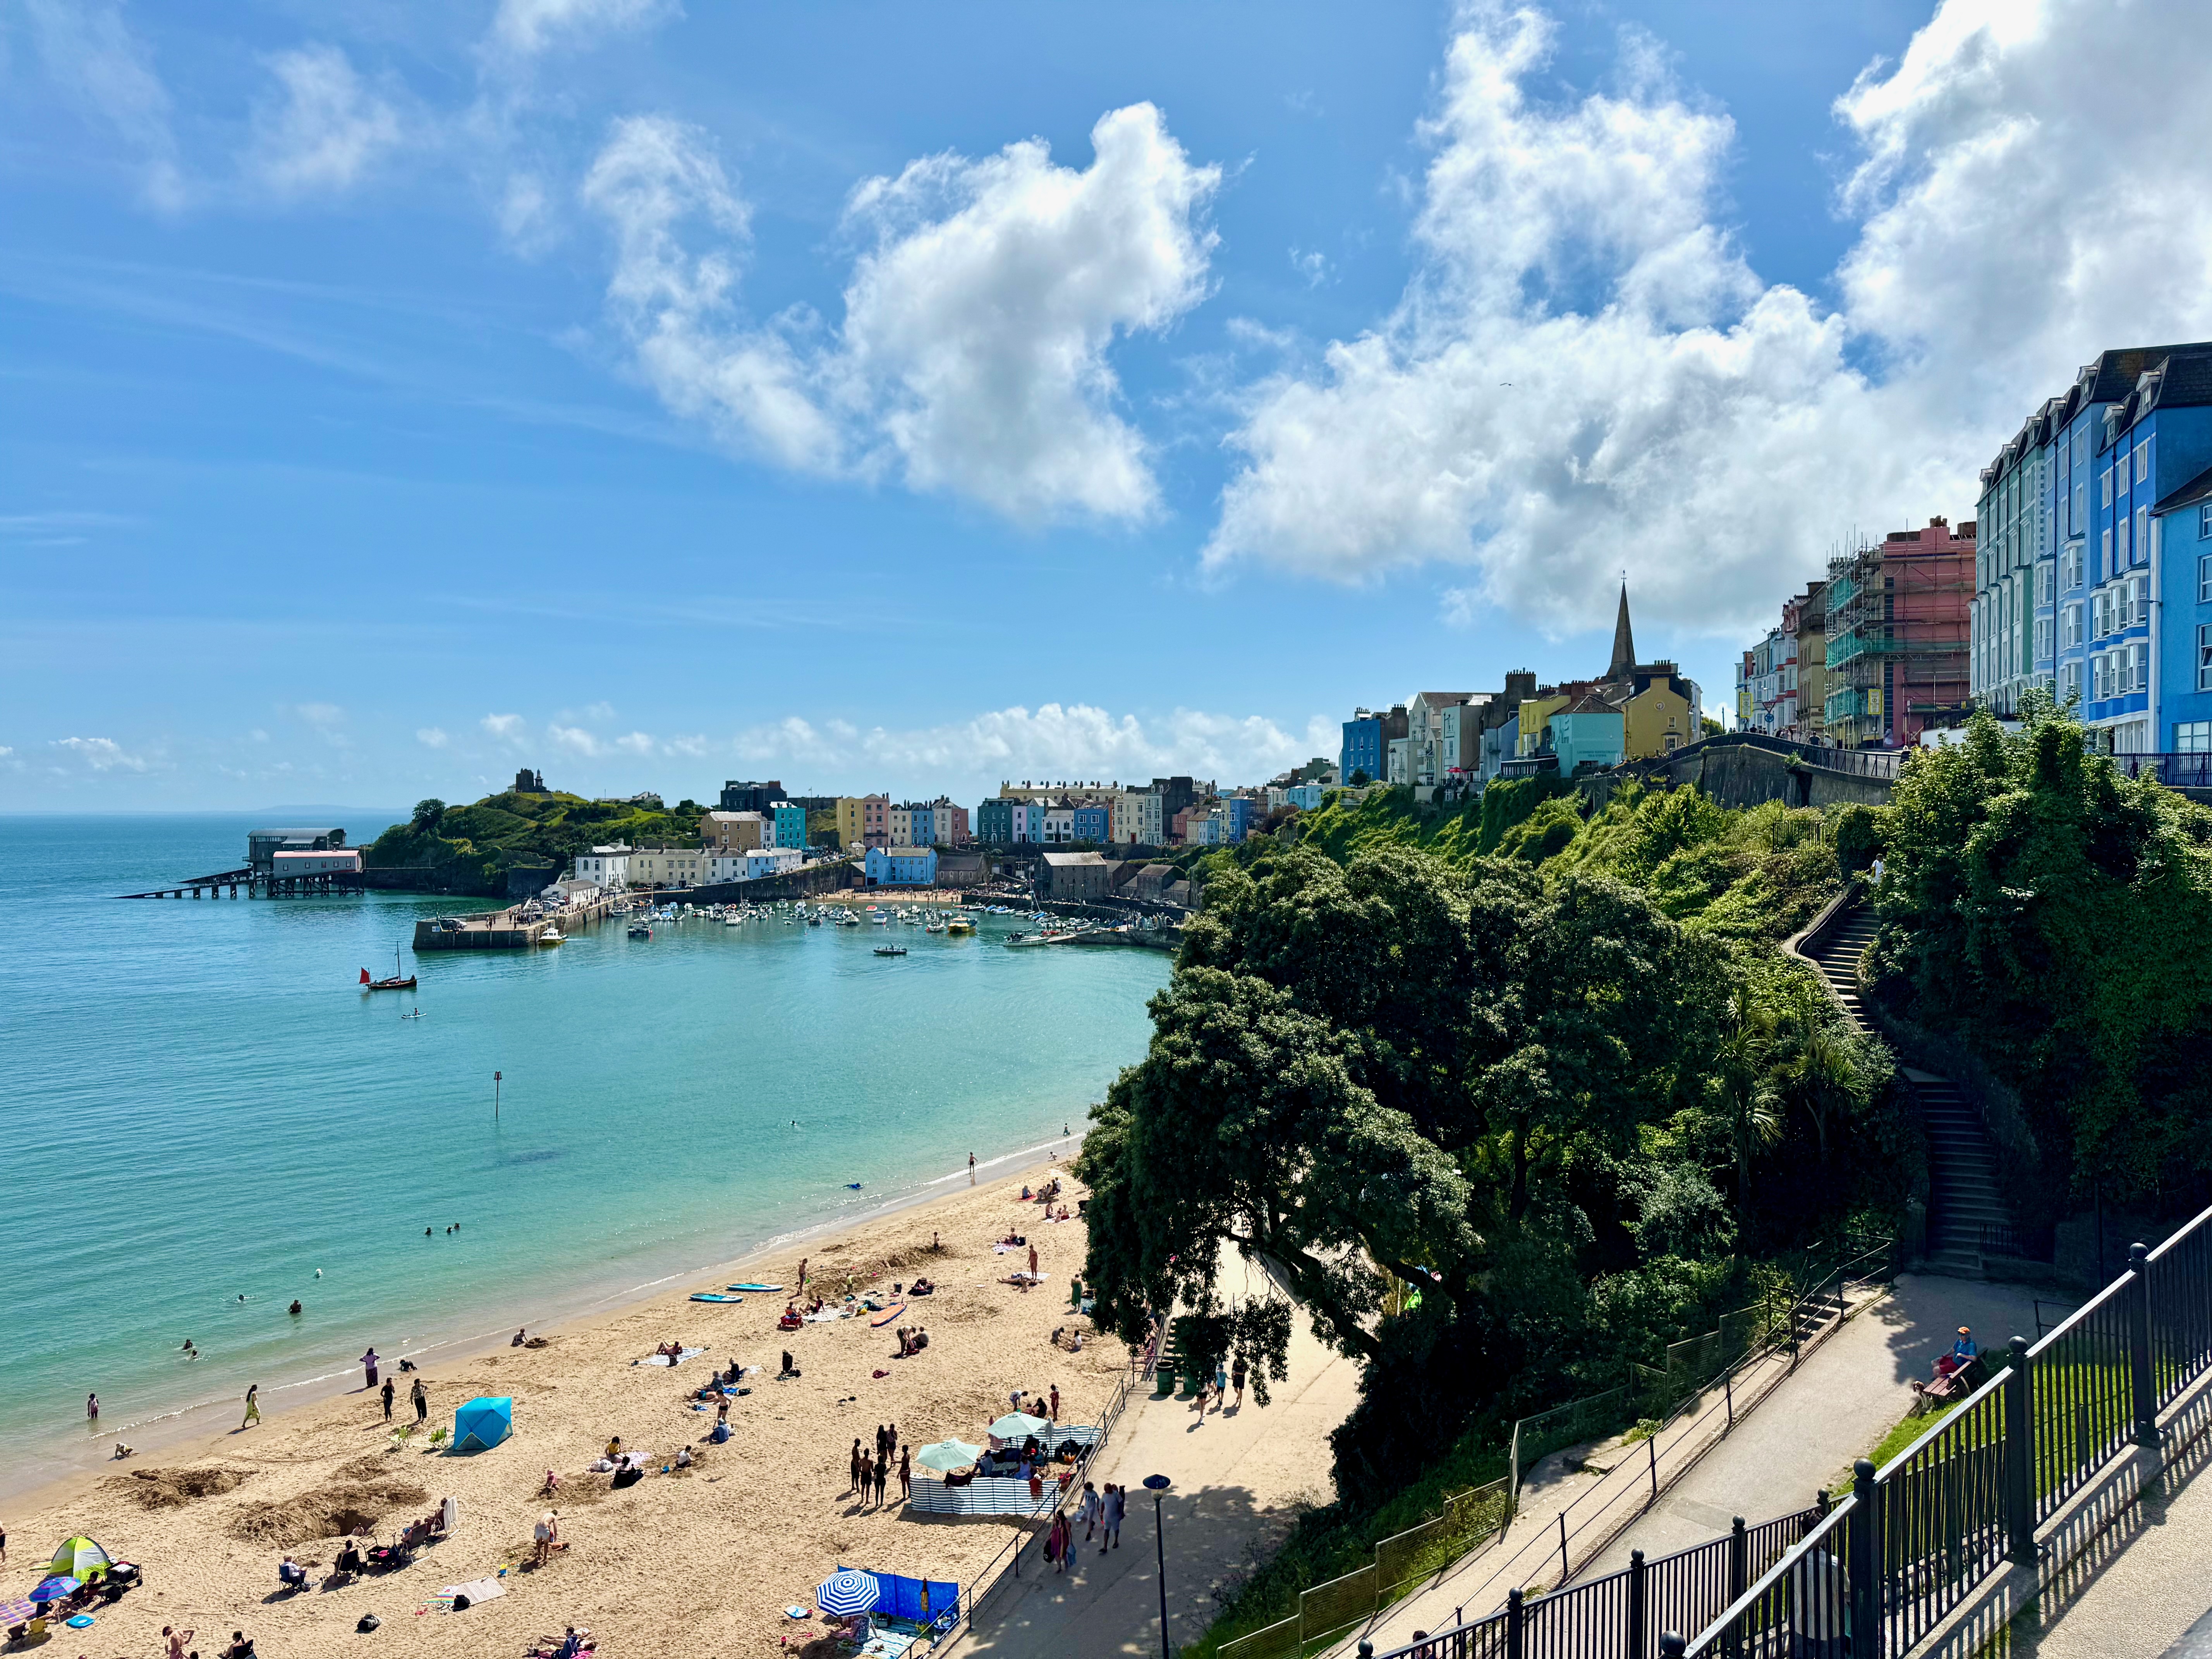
(552, 936)
(395, 984)
(890, 950)
(639, 930)
(959, 924)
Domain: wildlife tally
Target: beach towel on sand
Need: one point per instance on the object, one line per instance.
(826, 1315)
(478, 1589)
(663, 1359)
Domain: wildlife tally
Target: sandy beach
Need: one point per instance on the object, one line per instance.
(694, 1561)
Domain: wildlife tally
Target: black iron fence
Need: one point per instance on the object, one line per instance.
(1871, 1575)
(1914, 1539)
(2175, 771)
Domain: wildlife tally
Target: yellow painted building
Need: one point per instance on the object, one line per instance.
(865, 819)
(1536, 714)
(1658, 721)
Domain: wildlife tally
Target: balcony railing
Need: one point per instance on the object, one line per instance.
(2174, 771)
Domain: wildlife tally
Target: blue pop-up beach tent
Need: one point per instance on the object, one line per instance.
(483, 1423)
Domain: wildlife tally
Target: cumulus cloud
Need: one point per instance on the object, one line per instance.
(1585, 373)
(973, 357)
(576, 740)
(326, 128)
(526, 28)
(505, 727)
(92, 56)
(1057, 740)
(102, 754)
(432, 737)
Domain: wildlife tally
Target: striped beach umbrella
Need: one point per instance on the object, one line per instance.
(848, 1590)
(54, 1589)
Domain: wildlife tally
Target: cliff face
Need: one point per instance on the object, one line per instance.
(472, 847)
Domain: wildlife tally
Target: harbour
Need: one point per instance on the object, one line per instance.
(664, 1102)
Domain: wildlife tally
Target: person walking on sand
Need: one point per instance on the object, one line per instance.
(971, 1168)
(853, 1484)
(883, 1477)
(421, 1397)
(369, 1364)
(388, 1392)
(253, 1406)
(1054, 1416)
(176, 1640)
(867, 1475)
(802, 1275)
(1033, 1261)
(906, 1472)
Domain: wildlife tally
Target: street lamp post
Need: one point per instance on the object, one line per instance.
(1157, 1486)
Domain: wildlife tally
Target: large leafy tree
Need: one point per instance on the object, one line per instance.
(2057, 917)
(1376, 1072)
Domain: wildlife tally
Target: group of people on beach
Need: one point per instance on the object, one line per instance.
(874, 1470)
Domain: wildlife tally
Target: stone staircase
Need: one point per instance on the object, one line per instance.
(1964, 1208)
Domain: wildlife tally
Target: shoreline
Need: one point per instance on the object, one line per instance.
(192, 1430)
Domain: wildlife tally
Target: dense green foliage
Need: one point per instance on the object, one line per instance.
(2056, 918)
(474, 847)
(1550, 1071)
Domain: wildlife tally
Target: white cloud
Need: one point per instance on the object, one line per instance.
(637, 743)
(505, 727)
(529, 27)
(321, 714)
(91, 55)
(1054, 740)
(600, 711)
(652, 176)
(1667, 410)
(431, 737)
(577, 740)
(328, 129)
(973, 357)
(102, 754)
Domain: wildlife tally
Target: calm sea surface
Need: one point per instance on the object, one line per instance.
(199, 1106)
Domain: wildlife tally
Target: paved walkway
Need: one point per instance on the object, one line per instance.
(1239, 1479)
(1848, 1394)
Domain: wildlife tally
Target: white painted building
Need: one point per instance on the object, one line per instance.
(756, 862)
(670, 866)
(605, 867)
(1137, 820)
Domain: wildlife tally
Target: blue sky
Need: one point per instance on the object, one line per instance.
(877, 397)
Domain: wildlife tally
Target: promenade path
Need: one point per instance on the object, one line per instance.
(1239, 1479)
(1848, 1394)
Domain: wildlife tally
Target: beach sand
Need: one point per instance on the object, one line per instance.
(699, 1562)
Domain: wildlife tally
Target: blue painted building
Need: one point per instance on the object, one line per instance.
(994, 822)
(2075, 591)
(790, 825)
(1092, 824)
(1306, 797)
(1237, 818)
(2183, 668)
(901, 867)
(1367, 736)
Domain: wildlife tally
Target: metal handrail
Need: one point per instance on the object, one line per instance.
(1718, 1630)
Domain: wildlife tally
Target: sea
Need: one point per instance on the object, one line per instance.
(205, 1119)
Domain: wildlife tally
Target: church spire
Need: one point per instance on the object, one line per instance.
(1623, 642)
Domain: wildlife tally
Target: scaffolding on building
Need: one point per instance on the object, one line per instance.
(1899, 636)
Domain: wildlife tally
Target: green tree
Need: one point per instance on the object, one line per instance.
(428, 812)
(2056, 918)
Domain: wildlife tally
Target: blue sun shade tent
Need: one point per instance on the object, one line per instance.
(482, 1423)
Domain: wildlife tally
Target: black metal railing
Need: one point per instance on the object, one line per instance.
(2175, 771)
(1912, 1541)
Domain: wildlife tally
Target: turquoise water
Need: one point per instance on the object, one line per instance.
(198, 1104)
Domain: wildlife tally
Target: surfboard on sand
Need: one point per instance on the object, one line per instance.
(889, 1314)
(713, 1296)
(765, 1290)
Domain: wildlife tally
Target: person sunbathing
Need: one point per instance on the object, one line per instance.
(291, 1575)
(921, 1287)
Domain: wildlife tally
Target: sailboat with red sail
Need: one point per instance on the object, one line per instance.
(395, 984)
